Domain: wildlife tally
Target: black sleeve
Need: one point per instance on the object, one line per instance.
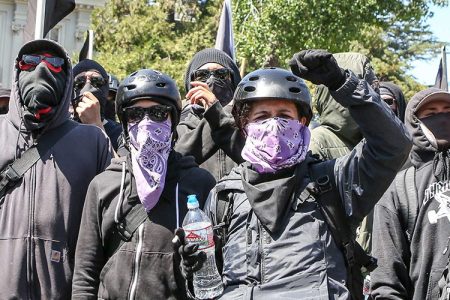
(201, 138)
(363, 175)
(89, 255)
(390, 280)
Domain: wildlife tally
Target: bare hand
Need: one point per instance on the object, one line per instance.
(88, 110)
(201, 94)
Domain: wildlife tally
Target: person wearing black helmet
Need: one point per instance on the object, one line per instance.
(279, 238)
(211, 79)
(132, 209)
(91, 97)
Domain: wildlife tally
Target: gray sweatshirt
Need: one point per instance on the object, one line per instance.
(40, 217)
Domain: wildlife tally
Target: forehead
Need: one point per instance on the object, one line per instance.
(435, 104)
(211, 66)
(148, 102)
(273, 105)
(89, 73)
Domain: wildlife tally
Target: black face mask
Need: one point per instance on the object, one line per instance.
(41, 90)
(3, 110)
(439, 125)
(221, 88)
(99, 93)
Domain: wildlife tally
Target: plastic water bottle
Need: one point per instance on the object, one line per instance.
(198, 229)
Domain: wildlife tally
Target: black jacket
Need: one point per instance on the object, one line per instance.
(410, 264)
(298, 258)
(98, 272)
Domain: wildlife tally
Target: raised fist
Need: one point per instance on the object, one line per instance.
(319, 67)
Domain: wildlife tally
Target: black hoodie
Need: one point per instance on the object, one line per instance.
(40, 217)
(409, 266)
(99, 275)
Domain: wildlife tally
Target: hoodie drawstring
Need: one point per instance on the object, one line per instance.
(119, 203)
(177, 207)
(441, 165)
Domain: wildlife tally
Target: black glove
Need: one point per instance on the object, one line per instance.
(191, 260)
(319, 67)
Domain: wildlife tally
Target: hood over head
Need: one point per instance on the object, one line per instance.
(395, 91)
(423, 149)
(425, 146)
(334, 116)
(18, 113)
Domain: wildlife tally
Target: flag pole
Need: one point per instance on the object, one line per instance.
(91, 44)
(40, 17)
(444, 64)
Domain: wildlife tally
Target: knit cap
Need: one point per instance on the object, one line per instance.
(211, 55)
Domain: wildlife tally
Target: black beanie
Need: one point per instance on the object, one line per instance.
(211, 55)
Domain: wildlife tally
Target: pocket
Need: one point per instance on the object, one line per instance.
(115, 277)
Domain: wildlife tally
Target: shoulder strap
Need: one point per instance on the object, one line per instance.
(15, 171)
(127, 227)
(323, 186)
(405, 182)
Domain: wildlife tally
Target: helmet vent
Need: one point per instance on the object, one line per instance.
(249, 88)
(291, 78)
(161, 84)
(295, 90)
(253, 78)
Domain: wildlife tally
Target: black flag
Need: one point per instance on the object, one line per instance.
(84, 51)
(55, 11)
(224, 37)
(441, 77)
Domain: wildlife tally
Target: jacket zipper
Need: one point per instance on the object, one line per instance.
(137, 260)
(261, 250)
(31, 233)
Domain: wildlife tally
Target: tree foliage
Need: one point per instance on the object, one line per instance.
(131, 34)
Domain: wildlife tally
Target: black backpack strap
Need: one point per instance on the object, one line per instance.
(126, 227)
(323, 186)
(15, 171)
(405, 183)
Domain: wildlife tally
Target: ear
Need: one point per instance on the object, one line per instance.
(303, 120)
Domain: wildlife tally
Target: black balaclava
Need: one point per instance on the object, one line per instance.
(222, 89)
(100, 93)
(395, 91)
(41, 91)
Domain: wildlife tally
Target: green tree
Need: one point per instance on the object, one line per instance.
(131, 34)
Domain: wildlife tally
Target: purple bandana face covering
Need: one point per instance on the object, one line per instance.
(150, 147)
(275, 143)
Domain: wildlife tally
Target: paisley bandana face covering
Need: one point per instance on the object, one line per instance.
(150, 147)
(275, 143)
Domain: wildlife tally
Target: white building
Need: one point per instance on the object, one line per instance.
(70, 32)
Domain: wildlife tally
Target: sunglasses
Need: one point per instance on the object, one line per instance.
(32, 60)
(96, 81)
(157, 113)
(204, 74)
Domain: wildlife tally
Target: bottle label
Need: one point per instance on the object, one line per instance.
(202, 236)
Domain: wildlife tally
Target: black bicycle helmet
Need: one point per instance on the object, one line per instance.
(273, 83)
(144, 84)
